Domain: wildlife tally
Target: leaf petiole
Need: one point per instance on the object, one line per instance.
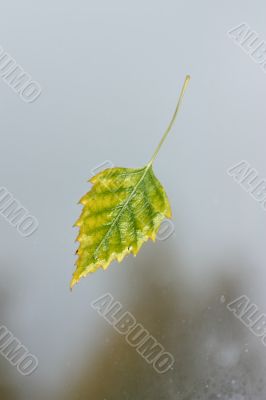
(187, 79)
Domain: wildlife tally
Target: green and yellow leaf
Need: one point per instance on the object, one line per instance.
(123, 209)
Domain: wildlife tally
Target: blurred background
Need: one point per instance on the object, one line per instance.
(110, 74)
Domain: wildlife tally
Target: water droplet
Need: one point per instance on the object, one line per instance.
(222, 299)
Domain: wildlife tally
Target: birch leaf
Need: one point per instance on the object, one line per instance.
(123, 209)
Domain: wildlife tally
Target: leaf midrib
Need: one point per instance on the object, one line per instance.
(123, 208)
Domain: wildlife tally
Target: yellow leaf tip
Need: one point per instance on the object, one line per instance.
(72, 284)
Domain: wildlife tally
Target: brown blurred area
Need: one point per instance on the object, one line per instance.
(216, 357)
(206, 340)
(7, 385)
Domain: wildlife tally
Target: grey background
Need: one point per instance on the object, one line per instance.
(110, 73)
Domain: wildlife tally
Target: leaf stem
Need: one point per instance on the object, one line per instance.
(187, 79)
